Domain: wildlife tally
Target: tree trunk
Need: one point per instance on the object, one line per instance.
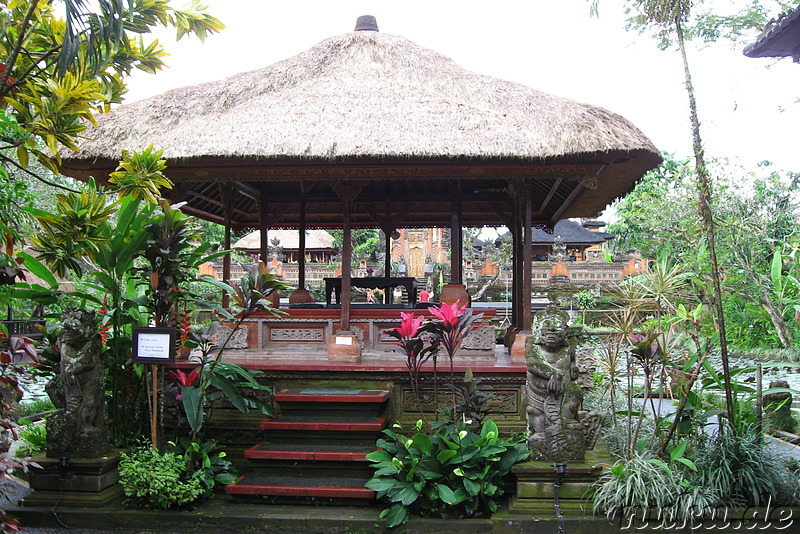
(781, 328)
(489, 283)
(705, 195)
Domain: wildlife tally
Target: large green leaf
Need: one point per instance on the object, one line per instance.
(37, 268)
(422, 443)
(407, 494)
(473, 487)
(395, 515)
(193, 407)
(445, 456)
(447, 495)
(230, 391)
(381, 483)
(379, 456)
(489, 431)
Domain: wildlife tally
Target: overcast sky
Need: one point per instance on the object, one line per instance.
(748, 106)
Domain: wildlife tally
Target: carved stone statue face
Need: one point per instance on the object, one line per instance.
(77, 326)
(552, 339)
(553, 329)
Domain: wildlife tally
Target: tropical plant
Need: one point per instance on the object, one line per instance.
(172, 255)
(453, 473)
(32, 439)
(207, 463)
(411, 340)
(213, 377)
(158, 481)
(57, 73)
(472, 403)
(12, 351)
(741, 470)
(642, 483)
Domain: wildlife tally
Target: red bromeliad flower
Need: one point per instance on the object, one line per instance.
(409, 325)
(103, 329)
(184, 379)
(448, 315)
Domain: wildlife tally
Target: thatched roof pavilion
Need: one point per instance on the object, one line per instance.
(372, 130)
(379, 108)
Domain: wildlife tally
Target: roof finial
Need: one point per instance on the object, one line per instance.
(366, 23)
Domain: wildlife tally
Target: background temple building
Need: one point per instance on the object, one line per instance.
(573, 253)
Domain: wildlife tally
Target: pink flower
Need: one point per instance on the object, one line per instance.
(409, 325)
(448, 315)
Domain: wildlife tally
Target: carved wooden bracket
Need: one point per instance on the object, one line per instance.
(348, 191)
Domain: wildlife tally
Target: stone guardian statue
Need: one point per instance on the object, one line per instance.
(558, 429)
(78, 429)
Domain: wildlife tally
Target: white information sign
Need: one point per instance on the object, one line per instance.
(153, 345)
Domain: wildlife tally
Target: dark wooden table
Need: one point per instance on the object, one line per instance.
(334, 286)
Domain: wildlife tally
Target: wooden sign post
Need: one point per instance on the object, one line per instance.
(154, 346)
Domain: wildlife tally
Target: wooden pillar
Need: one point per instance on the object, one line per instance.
(387, 260)
(263, 226)
(522, 266)
(516, 262)
(527, 260)
(301, 260)
(456, 238)
(347, 261)
(345, 345)
(226, 195)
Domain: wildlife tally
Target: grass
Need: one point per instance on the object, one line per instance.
(34, 406)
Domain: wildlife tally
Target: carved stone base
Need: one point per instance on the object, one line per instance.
(344, 347)
(535, 487)
(84, 482)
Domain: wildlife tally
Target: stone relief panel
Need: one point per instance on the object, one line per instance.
(482, 338)
(585, 361)
(504, 402)
(237, 341)
(300, 335)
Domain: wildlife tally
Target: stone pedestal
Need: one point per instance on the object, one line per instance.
(535, 487)
(517, 348)
(301, 296)
(344, 347)
(275, 299)
(83, 482)
(455, 292)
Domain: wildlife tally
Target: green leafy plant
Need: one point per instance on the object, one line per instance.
(32, 438)
(642, 482)
(207, 462)
(453, 473)
(741, 470)
(471, 406)
(213, 376)
(159, 481)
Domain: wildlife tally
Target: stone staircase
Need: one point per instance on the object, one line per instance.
(315, 450)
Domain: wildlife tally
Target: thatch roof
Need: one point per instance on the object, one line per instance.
(378, 108)
(780, 38)
(362, 94)
(289, 240)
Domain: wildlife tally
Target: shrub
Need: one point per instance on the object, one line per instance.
(158, 481)
(642, 483)
(32, 439)
(208, 463)
(454, 473)
(741, 469)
